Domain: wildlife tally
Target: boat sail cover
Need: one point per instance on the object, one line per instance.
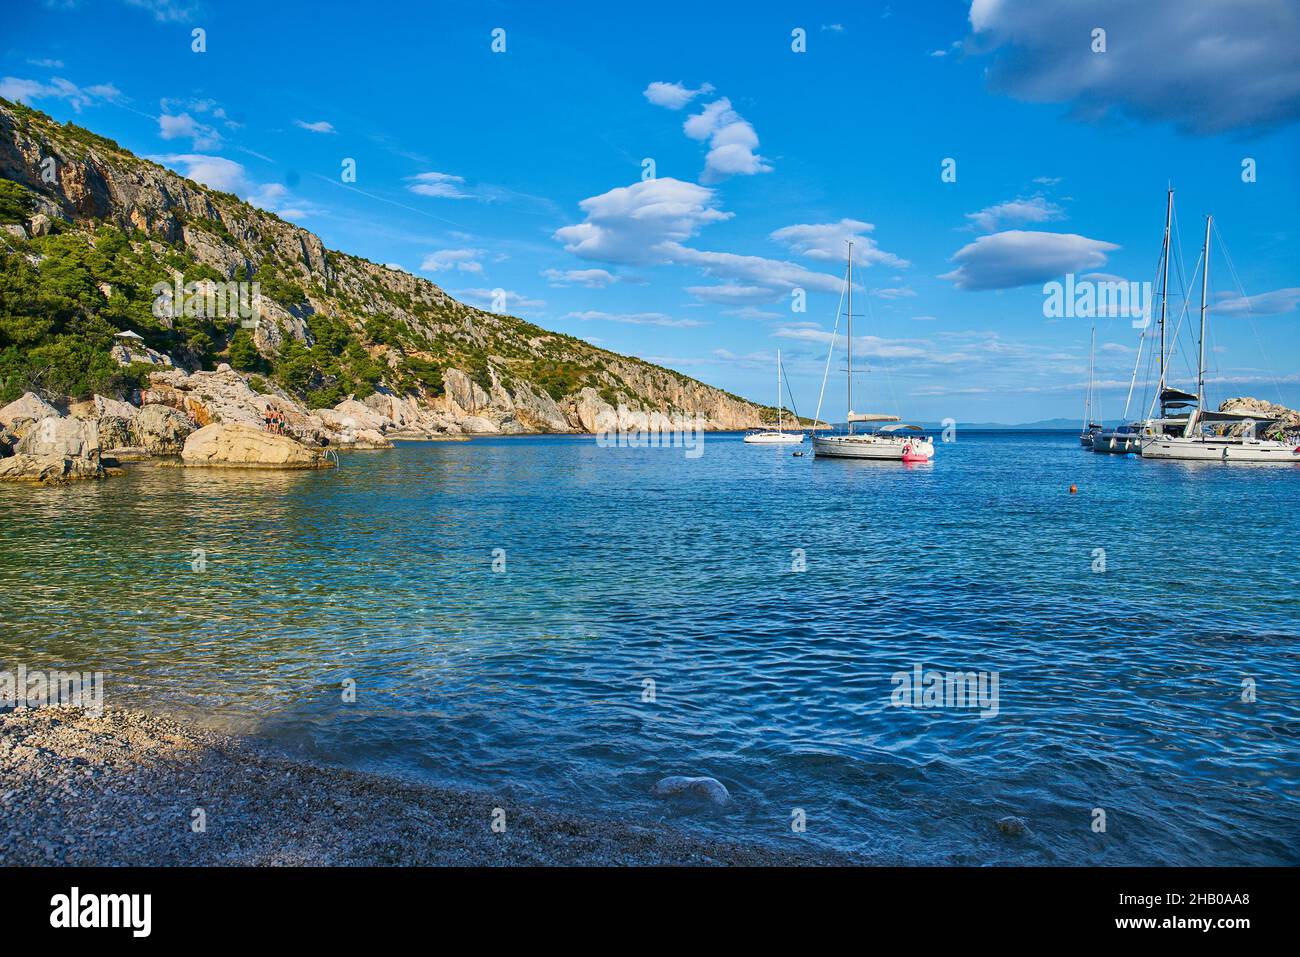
(871, 417)
(1177, 397)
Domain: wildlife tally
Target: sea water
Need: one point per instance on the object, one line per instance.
(566, 623)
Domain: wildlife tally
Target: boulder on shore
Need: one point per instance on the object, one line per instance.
(233, 445)
(48, 469)
(76, 438)
(160, 430)
(18, 415)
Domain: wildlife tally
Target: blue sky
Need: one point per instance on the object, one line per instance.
(523, 170)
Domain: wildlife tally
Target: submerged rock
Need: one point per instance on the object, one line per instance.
(1012, 826)
(242, 446)
(709, 790)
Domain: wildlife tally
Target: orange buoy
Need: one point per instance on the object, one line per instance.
(1074, 489)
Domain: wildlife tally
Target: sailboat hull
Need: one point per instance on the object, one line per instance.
(1216, 449)
(1117, 443)
(774, 438)
(869, 446)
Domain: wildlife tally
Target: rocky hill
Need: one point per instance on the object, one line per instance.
(87, 229)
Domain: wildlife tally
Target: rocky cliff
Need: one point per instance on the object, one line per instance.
(331, 329)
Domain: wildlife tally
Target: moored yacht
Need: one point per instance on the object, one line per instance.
(894, 441)
(1208, 436)
(779, 436)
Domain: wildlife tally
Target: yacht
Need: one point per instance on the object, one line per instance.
(891, 440)
(777, 437)
(1203, 435)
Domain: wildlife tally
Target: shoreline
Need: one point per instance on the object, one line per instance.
(123, 788)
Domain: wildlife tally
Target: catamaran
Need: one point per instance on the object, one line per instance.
(1208, 436)
(895, 441)
(778, 437)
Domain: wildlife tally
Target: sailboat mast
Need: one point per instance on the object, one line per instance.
(778, 390)
(1205, 285)
(850, 337)
(1087, 396)
(1164, 295)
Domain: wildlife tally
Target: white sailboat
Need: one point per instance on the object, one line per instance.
(1208, 436)
(896, 441)
(1090, 428)
(1127, 437)
(779, 436)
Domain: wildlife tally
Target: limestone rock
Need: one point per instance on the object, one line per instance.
(24, 410)
(8, 442)
(477, 423)
(365, 439)
(100, 406)
(14, 230)
(353, 415)
(709, 790)
(74, 438)
(41, 225)
(1287, 418)
(242, 446)
(467, 394)
(160, 430)
(48, 469)
(114, 431)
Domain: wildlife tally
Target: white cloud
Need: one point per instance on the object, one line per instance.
(167, 11)
(25, 91)
(486, 298)
(632, 224)
(636, 319)
(47, 64)
(772, 272)
(732, 293)
(833, 27)
(827, 242)
(591, 278)
(215, 172)
(462, 260)
(673, 95)
(1209, 67)
(647, 222)
(870, 346)
(894, 292)
(1014, 212)
(1022, 258)
(318, 126)
(750, 312)
(442, 185)
(732, 142)
(184, 126)
(1275, 303)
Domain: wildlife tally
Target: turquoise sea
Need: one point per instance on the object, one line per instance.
(1120, 690)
